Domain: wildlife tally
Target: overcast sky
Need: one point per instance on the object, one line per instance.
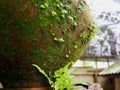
(99, 6)
(103, 5)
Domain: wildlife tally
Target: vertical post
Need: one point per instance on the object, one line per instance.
(95, 77)
(96, 60)
(83, 62)
(108, 62)
(96, 73)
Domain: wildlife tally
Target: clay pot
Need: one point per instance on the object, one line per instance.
(41, 88)
(24, 41)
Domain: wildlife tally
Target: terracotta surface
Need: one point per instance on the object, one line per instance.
(41, 88)
(24, 41)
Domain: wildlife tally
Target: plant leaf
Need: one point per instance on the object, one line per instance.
(42, 72)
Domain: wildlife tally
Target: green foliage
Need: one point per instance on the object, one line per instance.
(62, 77)
(88, 35)
(61, 12)
(93, 29)
(59, 39)
(43, 72)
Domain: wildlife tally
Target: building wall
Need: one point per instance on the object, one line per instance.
(106, 83)
(83, 74)
(117, 83)
(84, 78)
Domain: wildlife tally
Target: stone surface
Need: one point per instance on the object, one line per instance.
(93, 86)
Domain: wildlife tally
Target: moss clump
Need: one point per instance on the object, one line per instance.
(49, 33)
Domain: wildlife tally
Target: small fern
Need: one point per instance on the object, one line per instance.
(62, 77)
(42, 72)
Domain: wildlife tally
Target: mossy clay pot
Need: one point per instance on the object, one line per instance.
(31, 35)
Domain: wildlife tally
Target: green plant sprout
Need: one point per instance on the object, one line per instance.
(62, 77)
